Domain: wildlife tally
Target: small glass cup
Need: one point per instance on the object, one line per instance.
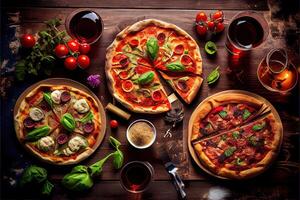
(136, 176)
(84, 25)
(276, 73)
(245, 25)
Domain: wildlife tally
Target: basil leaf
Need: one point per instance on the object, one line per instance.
(78, 179)
(47, 188)
(175, 67)
(38, 133)
(33, 174)
(213, 76)
(259, 127)
(146, 78)
(246, 114)
(228, 152)
(48, 99)
(223, 114)
(118, 159)
(235, 134)
(68, 122)
(96, 168)
(223, 137)
(152, 48)
(210, 48)
(88, 117)
(114, 142)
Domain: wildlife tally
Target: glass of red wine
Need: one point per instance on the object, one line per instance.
(136, 176)
(247, 30)
(84, 25)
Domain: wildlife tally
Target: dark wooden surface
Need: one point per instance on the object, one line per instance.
(281, 181)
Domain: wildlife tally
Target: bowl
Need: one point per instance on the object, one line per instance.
(144, 146)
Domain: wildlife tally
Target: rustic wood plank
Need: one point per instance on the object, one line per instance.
(168, 4)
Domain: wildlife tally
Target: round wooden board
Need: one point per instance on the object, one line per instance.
(77, 85)
(233, 92)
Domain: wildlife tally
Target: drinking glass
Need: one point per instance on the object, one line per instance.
(276, 73)
(84, 25)
(136, 176)
(246, 30)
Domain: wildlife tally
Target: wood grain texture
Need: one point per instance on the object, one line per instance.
(141, 4)
(277, 183)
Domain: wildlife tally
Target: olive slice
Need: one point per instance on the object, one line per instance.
(181, 84)
(28, 123)
(62, 138)
(65, 96)
(88, 127)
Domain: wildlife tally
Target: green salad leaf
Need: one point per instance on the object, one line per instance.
(152, 48)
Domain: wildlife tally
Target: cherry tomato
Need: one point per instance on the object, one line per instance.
(84, 48)
(61, 50)
(83, 61)
(201, 17)
(70, 63)
(211, 25)
(73, 45)
(219, 27)
(201, 30)
(218, 15)
(114, 123)
(27, 40)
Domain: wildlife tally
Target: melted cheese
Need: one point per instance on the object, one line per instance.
(81, 106)
(55, 96)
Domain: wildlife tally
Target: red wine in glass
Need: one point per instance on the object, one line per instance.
(136, 176)
(247, 30)
(84, 25)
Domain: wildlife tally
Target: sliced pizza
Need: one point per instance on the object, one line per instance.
(242, 152)
(186, 86)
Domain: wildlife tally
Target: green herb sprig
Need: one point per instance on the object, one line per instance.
(36, 176)
(41, 59)
(81, 177)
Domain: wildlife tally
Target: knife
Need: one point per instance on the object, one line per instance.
(172, 170)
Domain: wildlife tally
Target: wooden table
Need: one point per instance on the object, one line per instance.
(279, 182)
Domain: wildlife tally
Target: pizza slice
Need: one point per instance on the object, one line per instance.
(186, 86)
(35, 116)
(218, 116)
(242, 152)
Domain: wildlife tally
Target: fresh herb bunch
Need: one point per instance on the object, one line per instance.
(81, 177)
(36, 176)
(41, 59)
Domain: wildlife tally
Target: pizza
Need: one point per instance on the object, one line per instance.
(58, 124)
(145, 52)
(235, 135)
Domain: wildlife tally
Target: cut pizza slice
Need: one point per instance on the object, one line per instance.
(36, 117)
(186, 86)
(217, 116)
(242, 152)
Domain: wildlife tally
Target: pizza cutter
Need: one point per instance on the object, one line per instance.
(175, 115)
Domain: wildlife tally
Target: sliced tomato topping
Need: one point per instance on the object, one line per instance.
(157, 95)
(179, 49)
(124, 62)
(127, 86)
(134, 43)
(123, 74)
(141, 69)
(186, 59)
(118, 57)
